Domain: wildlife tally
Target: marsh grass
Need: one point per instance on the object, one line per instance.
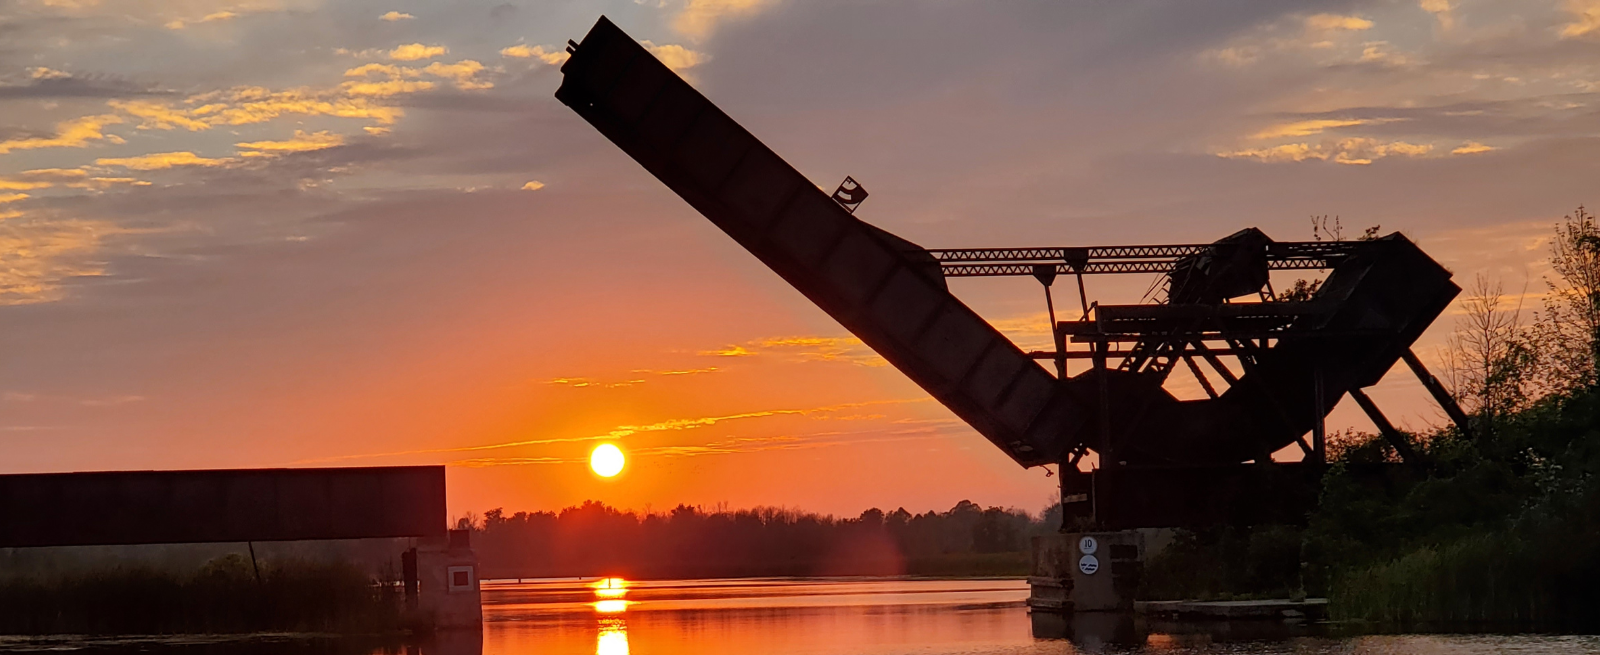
(1494, 577)
(224, 596)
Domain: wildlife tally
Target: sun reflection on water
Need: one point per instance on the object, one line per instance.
(613, 638)
(611, 606)
(610, 588)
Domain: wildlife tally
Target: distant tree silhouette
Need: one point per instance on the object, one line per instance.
(593, 539)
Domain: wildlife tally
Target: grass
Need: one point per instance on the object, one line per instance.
(224, 596)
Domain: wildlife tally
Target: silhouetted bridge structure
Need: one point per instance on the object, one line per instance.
(1271, 367)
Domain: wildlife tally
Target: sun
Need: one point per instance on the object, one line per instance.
(606, 460)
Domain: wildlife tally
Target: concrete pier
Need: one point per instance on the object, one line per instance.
(447, 572)
(1086, 571)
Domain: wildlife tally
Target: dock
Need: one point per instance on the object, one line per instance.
(1234, 610)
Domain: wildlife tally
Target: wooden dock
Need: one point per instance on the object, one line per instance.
(1235, 610)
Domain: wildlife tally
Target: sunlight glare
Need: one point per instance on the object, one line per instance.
(606, 460)
(610, 588)
(611, 606)
(613, 639)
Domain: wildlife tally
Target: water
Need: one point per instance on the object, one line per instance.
(894, 617)
(815, 617)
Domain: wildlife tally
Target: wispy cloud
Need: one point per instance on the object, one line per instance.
(676, 57)
(1337, 22)
(179, 23)
(415, 51)
(804, 348)
(1585, 19)
(699, 18)
(161, 160)
(396, 16)
(75, 133)
(522, 51)
(623, 431)
(1354, 151)
(301, 142)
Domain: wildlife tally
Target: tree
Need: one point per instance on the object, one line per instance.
(1568, 332)
(1488, 360)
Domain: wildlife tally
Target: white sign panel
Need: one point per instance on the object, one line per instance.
(1088, 545)
(1088, 564)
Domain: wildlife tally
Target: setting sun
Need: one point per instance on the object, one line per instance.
(606, 460)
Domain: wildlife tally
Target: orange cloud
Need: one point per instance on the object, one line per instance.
(37, 256)
(77, 178)
(1336, 22)
(1356, 151)
(395, 15)
(463, 73)
(1472, 148)
(1315, 126)
(676, 57)
(1585, 19)
(75, 133)
(161, 160)
(699, 18)
(415, 51)
(179, 24)
(302, 142)
(158, 116)
(520, 51)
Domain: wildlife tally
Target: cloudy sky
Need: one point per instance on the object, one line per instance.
(245, 233)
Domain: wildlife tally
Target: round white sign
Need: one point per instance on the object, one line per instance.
(1088, 545)
(1088, 564)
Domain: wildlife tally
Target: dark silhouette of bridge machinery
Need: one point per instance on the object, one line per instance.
(1271, 366)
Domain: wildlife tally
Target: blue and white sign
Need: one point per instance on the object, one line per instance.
(1088, 564)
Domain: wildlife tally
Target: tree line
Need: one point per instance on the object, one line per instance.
(1497, 522)
(593, 539)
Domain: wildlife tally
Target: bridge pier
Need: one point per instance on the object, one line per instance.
(1086, 571)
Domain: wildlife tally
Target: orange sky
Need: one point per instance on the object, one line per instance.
(297, 233)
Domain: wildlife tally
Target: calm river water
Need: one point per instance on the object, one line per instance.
(809, 617)
(891, 617)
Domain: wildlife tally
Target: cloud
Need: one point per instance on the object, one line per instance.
(463, 73)
(75, 133)
(730, 351)
(1378, 52)
(302, 142)
(395, 15)
(521, 51)
(805, 349)
(1357, 150)
(158, 116)
(591, 383)
(415, 51)
(1472, 148)
(676, 57)
(1585, 19)
(161, 160)
(15, 184)
(37, 256)
(1441, 10)
(1336, 22)
(76, 178)
(12, 197)
(1314, 126)
(247, 105)
(533, 185)
(178, 24)
(699, 18)
(50, 83)
(622, 431)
